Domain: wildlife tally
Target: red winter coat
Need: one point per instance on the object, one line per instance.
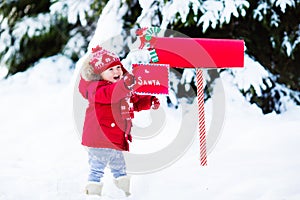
(104, 126)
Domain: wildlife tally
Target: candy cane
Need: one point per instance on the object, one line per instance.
(150, 32)
(153, 55)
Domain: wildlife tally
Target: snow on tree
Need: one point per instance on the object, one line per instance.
(36, 29)
(73, 10)
(27, 29)
(265, 28)
(269, 27)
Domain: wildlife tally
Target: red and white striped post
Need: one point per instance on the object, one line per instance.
(201, 116)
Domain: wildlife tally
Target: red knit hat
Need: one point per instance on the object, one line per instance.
(101, 59)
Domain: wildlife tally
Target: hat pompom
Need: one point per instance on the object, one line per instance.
(97, 48)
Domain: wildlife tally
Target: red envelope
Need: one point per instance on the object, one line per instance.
(151, 78)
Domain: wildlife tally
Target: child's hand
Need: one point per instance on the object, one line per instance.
(155, 103)
(129, 80)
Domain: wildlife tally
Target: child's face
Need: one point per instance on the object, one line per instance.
(112, 74)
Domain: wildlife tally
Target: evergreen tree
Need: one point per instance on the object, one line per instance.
(269, 28)
(34, 29)
(29, 32)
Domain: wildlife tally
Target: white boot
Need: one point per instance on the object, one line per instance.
(94, 188)
(123, 183)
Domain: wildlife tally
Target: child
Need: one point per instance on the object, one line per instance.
(106, 132)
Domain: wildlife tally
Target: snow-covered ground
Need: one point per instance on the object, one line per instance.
(41, 157)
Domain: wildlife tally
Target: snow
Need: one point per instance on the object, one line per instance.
(260, 11)
(215, 12)
(3, 72)
(252, 74)
(105, 30)
(147, 15)
(284, 3)
(287, 45)
(30, 26)
(33, 26)
(75, 10)
(170, 10)
(41, 156)
(75, 44)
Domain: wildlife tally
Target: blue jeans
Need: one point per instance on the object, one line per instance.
(99, 158)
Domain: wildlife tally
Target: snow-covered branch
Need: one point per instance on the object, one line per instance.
(220, 12)
(284, 3)
(72, 9)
